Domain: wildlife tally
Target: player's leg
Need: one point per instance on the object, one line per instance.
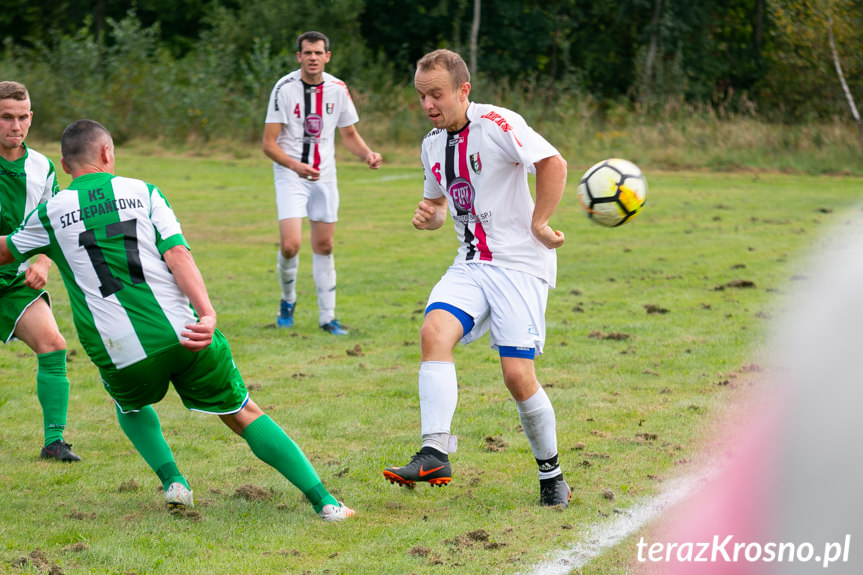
(538, 421)
(292, 198)
(324, 271)
(145, 432)
(287, 267)
(323, 215)
(38, 329)
(454, 303)
(517, 317)
(438, 395)
(274, 447)
(135, 389)
(213, 384)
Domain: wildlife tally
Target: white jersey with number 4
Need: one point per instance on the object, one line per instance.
(309, 116)
(482, 170)
(107, 234)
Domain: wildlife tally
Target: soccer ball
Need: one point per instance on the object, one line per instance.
(612, 192)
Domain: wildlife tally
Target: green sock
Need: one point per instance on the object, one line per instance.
(273, 446)
(145, 433)
(52, 389)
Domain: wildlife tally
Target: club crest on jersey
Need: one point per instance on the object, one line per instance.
(330, 107)
(475, 163)
(462, 194)
(314, 124)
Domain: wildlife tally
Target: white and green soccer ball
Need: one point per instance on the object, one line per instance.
(612, 192)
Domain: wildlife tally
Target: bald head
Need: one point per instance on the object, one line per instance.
(87, 146)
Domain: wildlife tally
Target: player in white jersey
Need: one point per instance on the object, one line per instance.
(27, 178)
(476, 163)
(143, 315)
(304, 110)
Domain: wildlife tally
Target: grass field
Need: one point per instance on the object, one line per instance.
(651, 331)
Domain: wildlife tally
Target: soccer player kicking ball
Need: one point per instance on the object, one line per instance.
(144, 316)
(476, 161)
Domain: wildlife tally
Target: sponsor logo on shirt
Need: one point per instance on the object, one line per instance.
(8, 174)
(314, 124)
(462, 194)
(501, 121)
(330, 107)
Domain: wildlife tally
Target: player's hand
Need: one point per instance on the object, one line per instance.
(550, 237)
(307, 172)
(424, 216)
(36, 275)
(374, 160)
(199, 335)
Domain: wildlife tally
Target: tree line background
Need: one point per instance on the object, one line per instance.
(196, 70)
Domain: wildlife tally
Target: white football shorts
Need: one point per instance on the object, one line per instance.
(297, 198)
(509, 304)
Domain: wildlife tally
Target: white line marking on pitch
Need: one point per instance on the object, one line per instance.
(602, 536)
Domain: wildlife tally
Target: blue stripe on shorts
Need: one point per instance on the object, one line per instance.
(466, 320)
(510, 351)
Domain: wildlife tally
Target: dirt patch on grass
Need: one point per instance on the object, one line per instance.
(494, 443)
(130, 485)
(614, 336)
(38, 560)
(251, 492)
(745, 284)
(653, 308)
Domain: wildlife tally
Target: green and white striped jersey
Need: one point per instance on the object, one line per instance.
(24, 183)
(107, 234)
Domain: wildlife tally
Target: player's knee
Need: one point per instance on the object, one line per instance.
(324, 248)
(435, 339)
(429, 333)
(289, 250)
(50, 342)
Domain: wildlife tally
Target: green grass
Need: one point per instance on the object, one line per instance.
(630, 411)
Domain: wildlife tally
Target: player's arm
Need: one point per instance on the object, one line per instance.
(273, 151)
(355, 143)
(6, 256)
(182, 265)
(430, 213)
(550, 183)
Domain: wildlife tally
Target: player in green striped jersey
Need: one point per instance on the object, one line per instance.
(143, 314)
(27, 178)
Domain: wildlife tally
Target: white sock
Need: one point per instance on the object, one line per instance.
(324, 271)
(438, 390)
(540, 427)
(287, 271)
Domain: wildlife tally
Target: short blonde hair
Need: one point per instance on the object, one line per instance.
(446, 60)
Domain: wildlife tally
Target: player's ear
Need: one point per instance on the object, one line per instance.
(65, 167)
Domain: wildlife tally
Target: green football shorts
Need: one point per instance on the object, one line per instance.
(15, 298)
(207, 380)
